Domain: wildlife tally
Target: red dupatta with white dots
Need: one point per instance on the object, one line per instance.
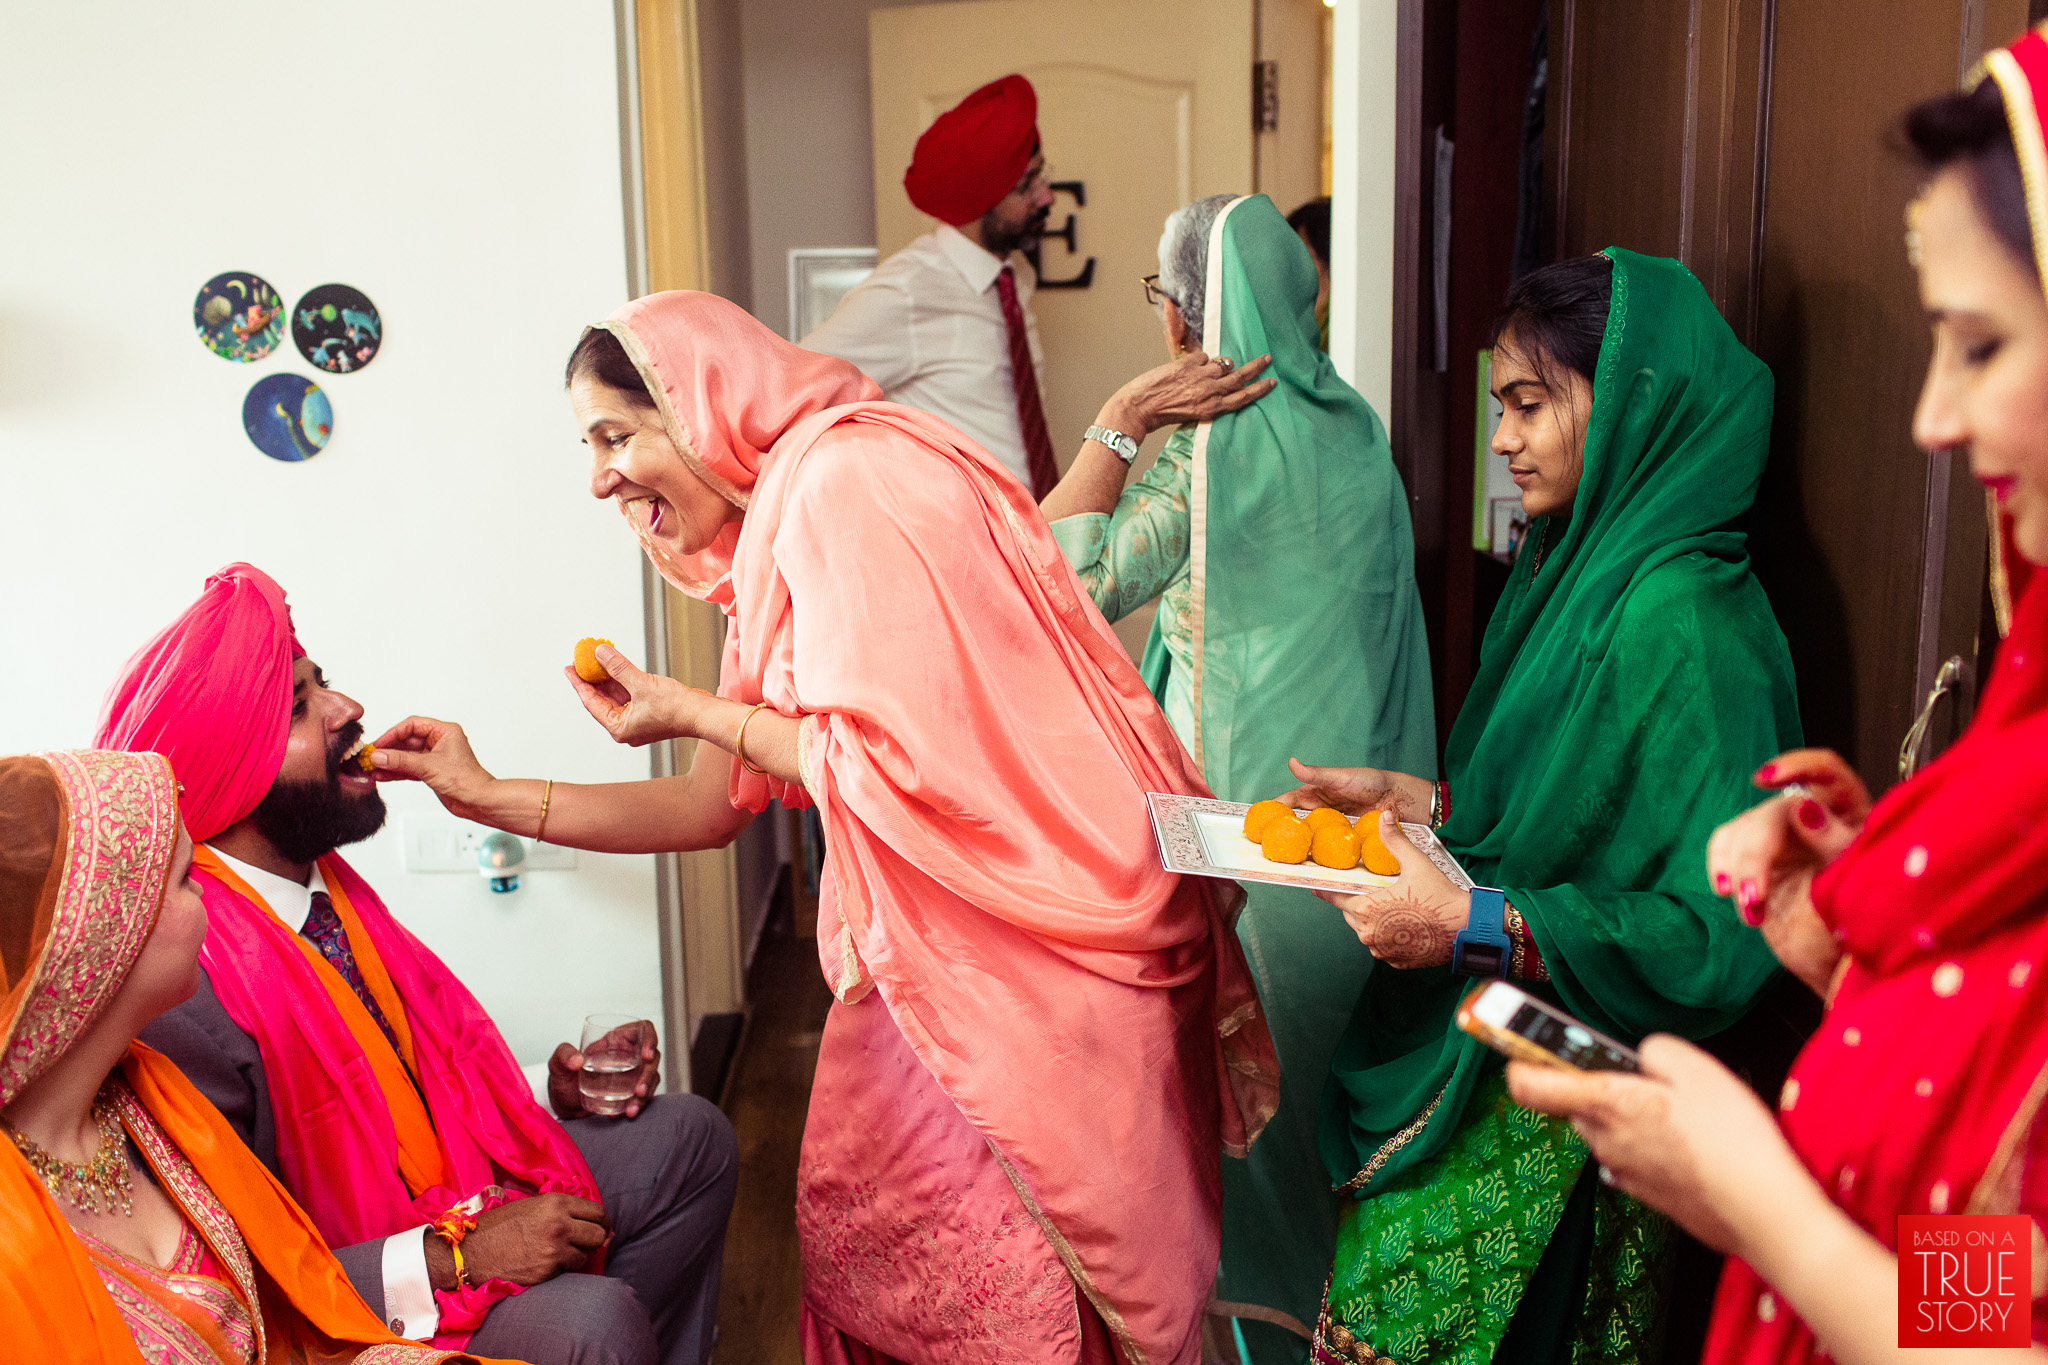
(1922, 1090)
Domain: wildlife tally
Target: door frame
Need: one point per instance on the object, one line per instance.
(663, 203)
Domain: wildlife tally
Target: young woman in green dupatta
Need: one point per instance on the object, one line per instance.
(1631, 680)
(1277, 538)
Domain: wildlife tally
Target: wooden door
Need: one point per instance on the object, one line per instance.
(1142, 105)
(1757, 141)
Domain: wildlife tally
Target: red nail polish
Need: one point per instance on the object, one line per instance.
(1811, 816)
(1767, 772)
(1751, 914)
(1721, 884)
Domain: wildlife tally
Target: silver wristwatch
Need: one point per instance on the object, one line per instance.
(1124, 447)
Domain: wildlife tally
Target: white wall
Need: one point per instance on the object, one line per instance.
(1363, 155)
(809, 141)
(460, 163)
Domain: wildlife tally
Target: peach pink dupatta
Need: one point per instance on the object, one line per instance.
(979, 746)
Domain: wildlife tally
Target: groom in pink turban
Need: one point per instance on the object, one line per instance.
(365, 1075)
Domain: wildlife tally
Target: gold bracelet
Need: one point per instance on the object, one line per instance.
(547, 794)
(739, 741)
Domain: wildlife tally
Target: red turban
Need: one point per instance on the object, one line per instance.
(975, 152)
(213, 694)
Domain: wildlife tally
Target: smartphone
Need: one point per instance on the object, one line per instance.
(1512, 1021)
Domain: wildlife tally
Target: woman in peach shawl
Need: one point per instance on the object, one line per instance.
(175, 1245)
(1041, 1040)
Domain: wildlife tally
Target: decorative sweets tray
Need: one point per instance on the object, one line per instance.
(1205, 838)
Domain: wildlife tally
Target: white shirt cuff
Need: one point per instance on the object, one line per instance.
(409, 1307)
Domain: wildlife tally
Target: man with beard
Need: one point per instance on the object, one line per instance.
(365, 1076)
(945, 324)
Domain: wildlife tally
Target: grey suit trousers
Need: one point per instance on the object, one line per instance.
(666, 1180)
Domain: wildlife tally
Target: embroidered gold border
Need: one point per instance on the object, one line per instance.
(1258, 1312)
(1998, 1190)
(118, 814)
(1110, 1317)
(2025, 121)
(1198, 481)
(806, 754)
(1391, 1146)
(199, 1203)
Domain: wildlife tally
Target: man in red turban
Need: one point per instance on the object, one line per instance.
(945, 324)
(365, 1075)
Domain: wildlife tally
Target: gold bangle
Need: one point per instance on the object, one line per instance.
(547, 794)
(739, 741)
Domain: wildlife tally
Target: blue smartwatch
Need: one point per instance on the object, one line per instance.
(1482, 947)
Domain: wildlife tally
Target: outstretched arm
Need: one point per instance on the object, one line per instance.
(657, 815)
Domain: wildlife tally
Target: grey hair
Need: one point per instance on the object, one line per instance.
(1184, 257)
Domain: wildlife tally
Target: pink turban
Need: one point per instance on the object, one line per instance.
(975, 152)
(213, 694)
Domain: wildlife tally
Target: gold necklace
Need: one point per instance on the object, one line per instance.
(100, 1185)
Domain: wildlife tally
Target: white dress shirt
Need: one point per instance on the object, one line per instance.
(928, 327)
(409, 1305)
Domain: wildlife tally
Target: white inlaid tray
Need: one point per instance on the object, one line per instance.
(1205, 838)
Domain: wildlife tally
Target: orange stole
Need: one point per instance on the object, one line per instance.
(53, 1307)
(421, 1163)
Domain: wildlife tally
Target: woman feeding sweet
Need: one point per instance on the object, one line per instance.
(1041, 1040)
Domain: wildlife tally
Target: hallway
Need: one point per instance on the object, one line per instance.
(766, 1098)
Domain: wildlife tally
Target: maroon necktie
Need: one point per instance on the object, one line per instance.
(1030, 413)
(324, 931)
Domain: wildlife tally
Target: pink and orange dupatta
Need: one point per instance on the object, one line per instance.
(979, 745)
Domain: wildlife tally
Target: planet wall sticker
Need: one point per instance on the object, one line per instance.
(288, 417)
(337, 328)
(239, 316)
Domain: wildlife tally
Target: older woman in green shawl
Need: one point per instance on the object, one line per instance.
(1631, 680)
(1277, 540)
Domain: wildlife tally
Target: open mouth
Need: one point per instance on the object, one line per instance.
(650, 512)
(350, 766)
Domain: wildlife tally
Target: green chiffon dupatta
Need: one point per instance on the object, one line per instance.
(1630, 681)
(1307, 641)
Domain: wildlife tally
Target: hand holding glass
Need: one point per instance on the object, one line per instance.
(611, 1062)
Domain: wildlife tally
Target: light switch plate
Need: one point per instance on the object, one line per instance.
(442, 843)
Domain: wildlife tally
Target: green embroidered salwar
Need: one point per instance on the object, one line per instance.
(1631, 680)
(1278, 540)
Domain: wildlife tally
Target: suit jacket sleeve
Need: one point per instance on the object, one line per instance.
(225, 1065)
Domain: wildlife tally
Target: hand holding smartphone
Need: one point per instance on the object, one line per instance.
(1510, 1020)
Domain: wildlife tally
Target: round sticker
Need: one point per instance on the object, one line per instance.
(239, 316)
(337, 328)
(288, 417)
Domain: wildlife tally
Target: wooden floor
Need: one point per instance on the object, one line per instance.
(767, 1099)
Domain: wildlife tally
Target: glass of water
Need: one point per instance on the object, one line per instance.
(611, 1062)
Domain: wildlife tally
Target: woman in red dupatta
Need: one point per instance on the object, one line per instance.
(179, 1248)
(1923, 922)
(1041, 1040)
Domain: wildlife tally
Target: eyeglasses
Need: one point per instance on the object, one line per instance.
(1153, 293)
(1033, 180)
